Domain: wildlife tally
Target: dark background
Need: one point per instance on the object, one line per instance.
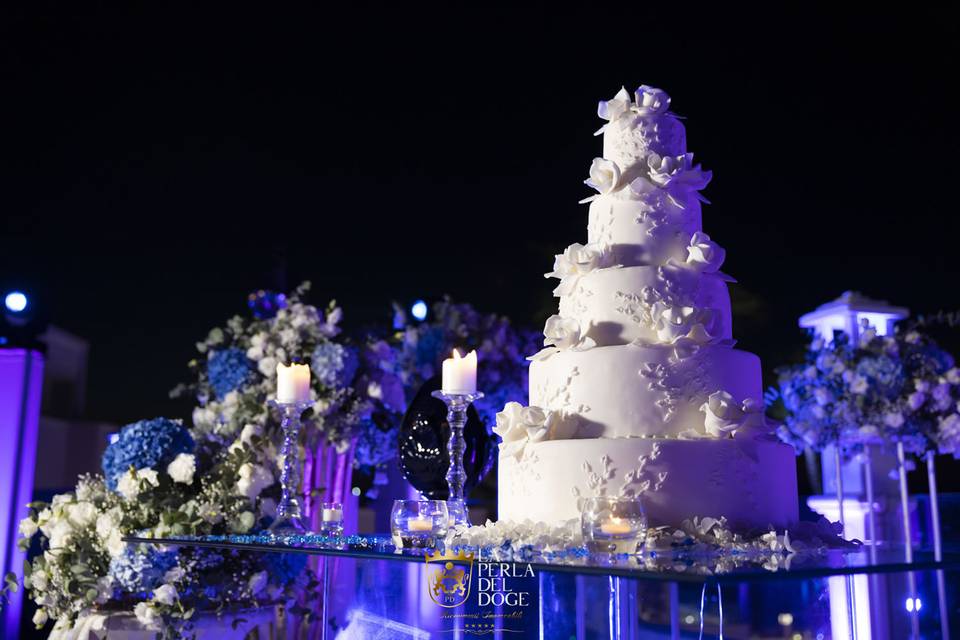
(158, 163)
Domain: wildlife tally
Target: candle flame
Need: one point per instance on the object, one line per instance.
(456, 355)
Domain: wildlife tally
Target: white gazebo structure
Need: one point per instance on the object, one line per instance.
(848, 313)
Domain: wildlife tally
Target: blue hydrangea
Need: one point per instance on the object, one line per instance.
(284, 568)
(228, 370)
(140, 568)
(147, 443)
(334, 364)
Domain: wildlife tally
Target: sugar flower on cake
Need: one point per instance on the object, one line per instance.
(612, 109)
(703, 254)
(650, 101)
(686, 328)
(677, 170)
(518, 426)
(562, 334)
(576, 260)
(722, 414)
(604, 175)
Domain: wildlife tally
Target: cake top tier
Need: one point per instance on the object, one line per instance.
(644, 147)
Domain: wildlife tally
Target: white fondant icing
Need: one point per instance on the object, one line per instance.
(627, 391)
(618, 305)
(751, 483)
(637, 233)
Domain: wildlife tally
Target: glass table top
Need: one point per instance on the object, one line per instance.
(676, 565)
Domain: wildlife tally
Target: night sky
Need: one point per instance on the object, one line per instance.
(159, 164)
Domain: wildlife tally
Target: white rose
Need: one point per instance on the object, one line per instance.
(182, 468)
(674, 323)
(651, 101)
(604, 175)
(165, 594)
(704, 254)
(244, 522)
(722, 414)
(128, 486)
(146, 615)
(562, 333)
(253, 479)
(82, 514)
(614, 108)
(114, 544)
(28, 527)
(39, 580)
(258, 582)
(40, 618)
(60, 534)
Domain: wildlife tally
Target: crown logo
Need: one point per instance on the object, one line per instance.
(450, 584)
(460, 556)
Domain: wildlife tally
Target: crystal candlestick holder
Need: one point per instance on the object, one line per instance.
(457, 405)
(613, 525)
(289, 519)
(418, 524)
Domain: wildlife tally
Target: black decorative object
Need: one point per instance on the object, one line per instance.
(423, 445)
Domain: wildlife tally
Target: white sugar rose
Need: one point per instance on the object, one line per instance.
(165, 594)
(615, 107)
(677, 170)
(575, 261)
(704, 254)
(182, 468)
(534, 421)
(604, 175)
(562, 333)
(650, 101)
(561, 426)
(675, 323)
(510, 423)
(722, 414)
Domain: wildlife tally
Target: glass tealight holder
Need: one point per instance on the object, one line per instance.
(457, 512)
(613, 525)
(418, 524)
(331, 520)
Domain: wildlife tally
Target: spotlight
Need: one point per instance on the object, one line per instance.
(913, 604)
(16, 302)
(419, 310)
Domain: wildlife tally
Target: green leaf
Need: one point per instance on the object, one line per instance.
(10, 580)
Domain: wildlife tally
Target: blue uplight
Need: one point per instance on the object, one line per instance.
(419, 310)
(15, 301)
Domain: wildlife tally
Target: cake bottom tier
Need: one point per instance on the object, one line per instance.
(752, 483)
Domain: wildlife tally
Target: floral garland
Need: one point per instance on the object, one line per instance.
(879, 389)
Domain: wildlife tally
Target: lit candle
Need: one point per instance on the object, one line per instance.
(460, 373)
(419, 524)
(615, 526)
(332, 515)
(293, 383)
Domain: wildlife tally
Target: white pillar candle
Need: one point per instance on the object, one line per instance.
(293, 383)
(460, 373)
(419, 524)
(332, 515)
(615, 526)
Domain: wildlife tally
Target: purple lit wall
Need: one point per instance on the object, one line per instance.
(21, 379)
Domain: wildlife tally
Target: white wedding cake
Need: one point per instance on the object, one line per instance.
(640, 390)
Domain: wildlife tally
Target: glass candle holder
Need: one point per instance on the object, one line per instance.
(613, 525)
(331, 519)
(418, 524)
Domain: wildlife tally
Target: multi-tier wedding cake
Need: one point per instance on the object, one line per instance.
(639, 390)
